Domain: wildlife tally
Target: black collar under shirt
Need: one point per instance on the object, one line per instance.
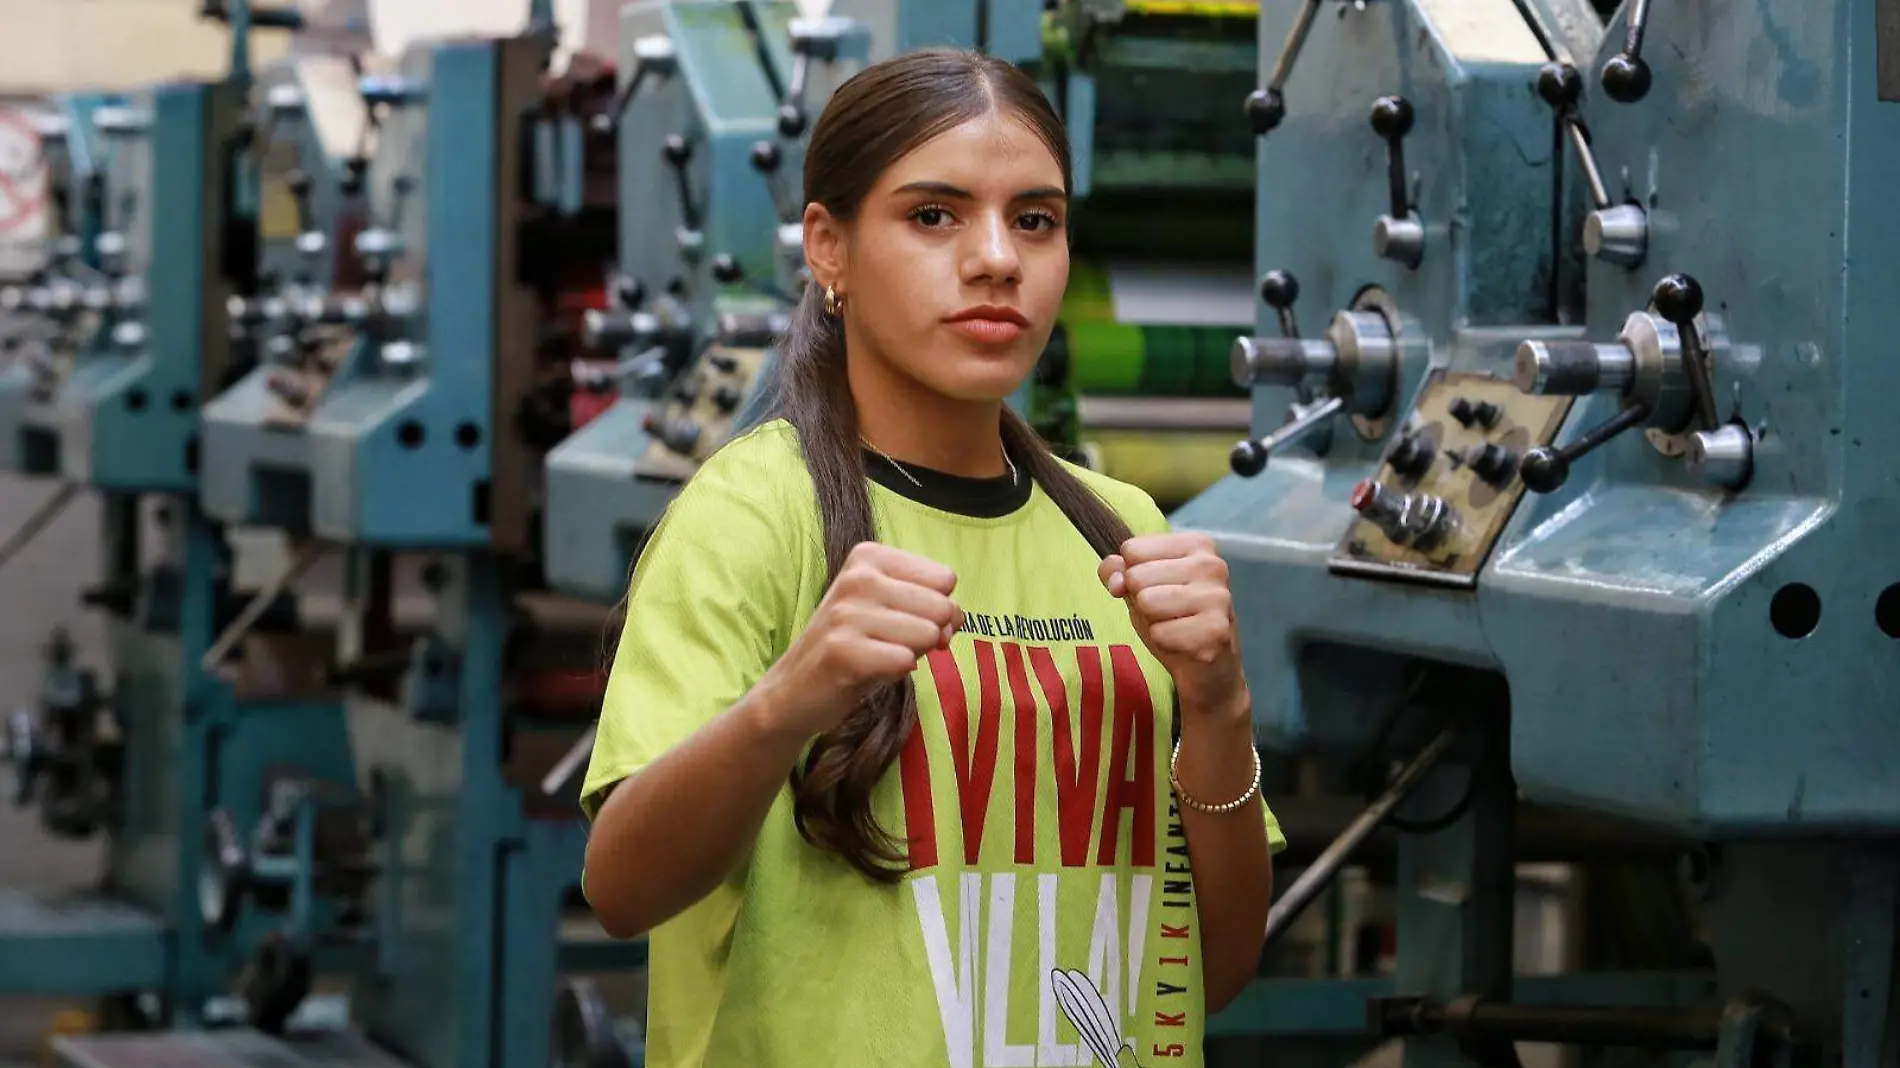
(980, 498)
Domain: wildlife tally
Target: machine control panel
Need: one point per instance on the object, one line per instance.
(1449, 482)
(700, 411)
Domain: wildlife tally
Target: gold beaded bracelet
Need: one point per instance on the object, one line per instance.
(1187, 799)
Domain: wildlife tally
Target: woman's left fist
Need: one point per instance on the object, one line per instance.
(1175, 586)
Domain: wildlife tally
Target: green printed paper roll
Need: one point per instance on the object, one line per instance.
(1173, 467)
(1115, 358)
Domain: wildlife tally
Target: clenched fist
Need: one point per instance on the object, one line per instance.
(1175, 586)
(886, 610)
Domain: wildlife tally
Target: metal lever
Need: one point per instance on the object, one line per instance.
(1614, 233)
(791, 114)
(1280, 290)
(1678, 298)
(41, 518)
(1545, 470)
(653, 56)
(309, 238)
(570, 765)
(254, 610)
(767, 159)
(1626, 76)
(1321, 871)
(678, 152)
(1249, 458)
(1266, 107)
(1398, 235)
(591, 379)
(824, 40)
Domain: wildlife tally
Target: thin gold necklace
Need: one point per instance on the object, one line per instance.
(902, 470)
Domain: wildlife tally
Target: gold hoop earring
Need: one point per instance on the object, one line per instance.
(833, 302)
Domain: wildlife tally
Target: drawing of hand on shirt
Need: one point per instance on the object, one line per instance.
(1089, 1014)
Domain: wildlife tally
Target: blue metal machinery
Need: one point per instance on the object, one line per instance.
(710, 259)
(710, 253)
(59, 323)
(1571, 476)
(402, 416)
(147, 756)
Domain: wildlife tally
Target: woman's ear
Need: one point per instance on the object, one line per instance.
(825, 248)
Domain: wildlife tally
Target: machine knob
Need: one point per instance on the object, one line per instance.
(1409, 520)
(676, 150)
(355, 174)
(679, 434)
(1626, 76)
(289, 390)
(1412, 456)
(766, 157)
(606, 329)
(1491, 462)
(1392, 117)
(1560, 85)
(378, 243)
(1678, 298)
(1482, 413)
(1723, 457)
(630, 292)
(1279, 289)
(1248, 459)
(1400, 239)
(1618, 234)
(791, 120)
(1265, 109)
(726, 270)
(1544, 470)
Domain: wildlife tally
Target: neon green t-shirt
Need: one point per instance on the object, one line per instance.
(1048, 917)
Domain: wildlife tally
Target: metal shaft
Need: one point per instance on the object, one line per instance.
(1580, 141)
(1157, 414)
(1642, 1027)
(1309, 419)
(41, 518)
(1290, 51)
(570, 763)
(254, 610)
(1610, 428)
(1322, 871)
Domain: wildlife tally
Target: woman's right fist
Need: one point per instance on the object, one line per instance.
(886, 609)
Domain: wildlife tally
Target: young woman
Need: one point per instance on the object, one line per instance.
(887, 764)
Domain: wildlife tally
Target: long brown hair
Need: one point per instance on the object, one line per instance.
(874, 119)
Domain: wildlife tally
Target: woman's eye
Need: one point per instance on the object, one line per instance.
(930, 216)
(1039, 220)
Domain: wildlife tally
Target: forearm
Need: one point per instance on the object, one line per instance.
(1233, 868)
(670, 832)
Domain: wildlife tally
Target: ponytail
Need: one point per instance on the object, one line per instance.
(832, 788)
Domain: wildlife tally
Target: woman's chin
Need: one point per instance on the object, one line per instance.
(988, 378)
